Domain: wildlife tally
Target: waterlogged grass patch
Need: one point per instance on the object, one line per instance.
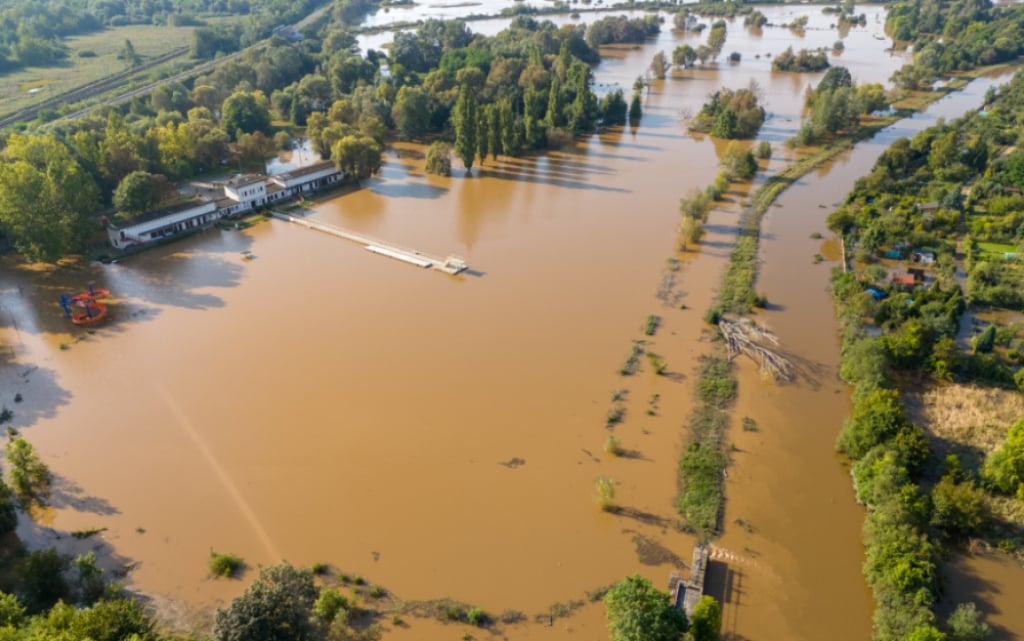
(605, 494)
(651, 324)
(225, 565)
(629, 367)
(613, 446)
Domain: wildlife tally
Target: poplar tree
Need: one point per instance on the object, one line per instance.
(494, 131)
(465, 119)
(554, 116)
(482, 137)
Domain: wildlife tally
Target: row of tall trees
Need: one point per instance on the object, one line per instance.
(528, 86)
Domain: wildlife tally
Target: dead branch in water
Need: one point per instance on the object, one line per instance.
(746, 337)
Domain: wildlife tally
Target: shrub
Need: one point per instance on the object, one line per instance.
(329, 604)
(476, 617)
(764, 150)
(224, 565)
(439, 159)
(320, 569)
(612, 446)
(985, 341)
(614, 415)
(965, 624)
(605, 494)
(877, 417)
(651, 324)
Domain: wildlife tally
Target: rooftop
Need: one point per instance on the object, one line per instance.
(305, 171)
(241, 180)
(160, 213)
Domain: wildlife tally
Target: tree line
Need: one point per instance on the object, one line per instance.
(32, 32)
(526, 88)
(923, 193)
(973, 33)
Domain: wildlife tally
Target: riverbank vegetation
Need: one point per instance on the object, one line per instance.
(911, 226)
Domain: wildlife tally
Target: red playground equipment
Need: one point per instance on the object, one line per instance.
(93, 310)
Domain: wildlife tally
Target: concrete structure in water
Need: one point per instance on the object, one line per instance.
(452, 265)
(686, 595)
(241, 193)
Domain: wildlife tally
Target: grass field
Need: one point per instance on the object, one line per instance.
(999, 249)
(149, 41)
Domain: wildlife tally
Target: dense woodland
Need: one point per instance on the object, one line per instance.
(954, 36)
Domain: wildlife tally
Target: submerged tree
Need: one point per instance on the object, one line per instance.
(439, 159)
(358, 156)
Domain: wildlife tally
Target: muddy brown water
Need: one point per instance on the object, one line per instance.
(441, 436)
(786, 468)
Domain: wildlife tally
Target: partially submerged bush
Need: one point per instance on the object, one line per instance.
(225, 565)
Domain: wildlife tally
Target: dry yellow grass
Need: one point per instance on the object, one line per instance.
(965, 415)
(971, 421)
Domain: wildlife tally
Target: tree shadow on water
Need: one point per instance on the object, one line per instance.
(37, 387)
(66, 494)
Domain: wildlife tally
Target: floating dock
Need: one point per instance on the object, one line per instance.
(686, 595)
(451, 265)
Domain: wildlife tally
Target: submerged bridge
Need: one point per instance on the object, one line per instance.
(450, 265)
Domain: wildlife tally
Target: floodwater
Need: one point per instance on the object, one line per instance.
(786, 484)
(441, 436)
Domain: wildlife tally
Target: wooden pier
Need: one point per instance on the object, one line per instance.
(450, 265)
(686, 595)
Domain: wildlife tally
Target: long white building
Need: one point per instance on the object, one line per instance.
(242, 193)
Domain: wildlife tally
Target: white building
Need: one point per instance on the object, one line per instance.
(248, 189)
(306, 179)
(242, 193)
(157, 224)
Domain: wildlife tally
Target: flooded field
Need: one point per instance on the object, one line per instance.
(441, 436)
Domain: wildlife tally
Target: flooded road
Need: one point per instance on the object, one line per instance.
(441, 436)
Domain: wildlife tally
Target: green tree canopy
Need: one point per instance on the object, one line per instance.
(358, 156)
(244, 111)
(439, 159)
(45, 197)
(276, 607)
(136, 193)
(30, 478)
(637, 611)
(1004, 468)
(707, 620)
(965, 624)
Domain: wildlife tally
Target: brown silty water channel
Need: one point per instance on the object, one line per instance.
(440, 436)
(786, 482)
